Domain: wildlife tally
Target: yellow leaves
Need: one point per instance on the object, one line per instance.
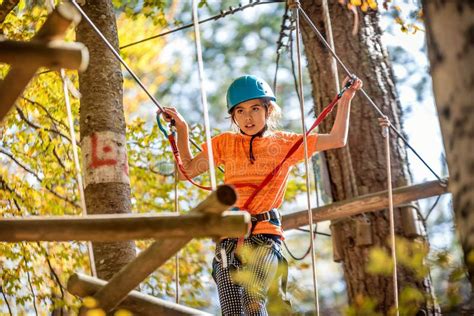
(91, 303)
(122, 312)
(470, 257)
(408, 23)
(145, 59)
(410, 254)
(95, 312)
(372, 4)
(380, 262)
(364, 5)
(362, 306)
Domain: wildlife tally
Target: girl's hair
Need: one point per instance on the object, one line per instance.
(272, 119)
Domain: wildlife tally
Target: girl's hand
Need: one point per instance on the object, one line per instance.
(357, 85)
(171, 113)
(384, 121)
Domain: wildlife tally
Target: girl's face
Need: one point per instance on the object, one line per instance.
(251, 116)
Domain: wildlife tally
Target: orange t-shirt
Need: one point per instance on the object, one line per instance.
(231, 150)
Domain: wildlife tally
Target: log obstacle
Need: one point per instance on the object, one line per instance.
(139, 303)
(115, 227)
(130, 276)
(45, 41)
(364, 204)
(53, 55)
(196, 224)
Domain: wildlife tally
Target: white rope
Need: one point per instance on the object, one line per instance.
(306, 163)
(76, 163)
(176, 209)
(202, 80)
(330, 39)
(386, 134)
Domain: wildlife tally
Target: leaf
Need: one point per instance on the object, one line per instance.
(380, 262)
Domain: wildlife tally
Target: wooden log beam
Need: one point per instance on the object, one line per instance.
(363, 204)
(53, 55)
(18, 77)
(158, 253)
(116, 227)
(140, 304)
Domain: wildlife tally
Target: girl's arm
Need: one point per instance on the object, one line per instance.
(193, 166)
(338, 136)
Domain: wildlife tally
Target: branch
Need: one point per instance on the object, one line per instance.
(53, 272)
(6, 7)
(4, 186)
(29, 280)
(38, 178)
(6, 301)
(47, 113)
(31, 124)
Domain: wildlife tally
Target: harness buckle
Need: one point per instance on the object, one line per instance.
(266, 217)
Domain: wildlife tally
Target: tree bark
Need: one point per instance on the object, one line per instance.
(5, 8)
(102, 127)
(450, 35)
(361, 167)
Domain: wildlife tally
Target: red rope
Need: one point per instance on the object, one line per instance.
(273, 173)
(295, 147)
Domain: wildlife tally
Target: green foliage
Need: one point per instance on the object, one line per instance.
(152, 9)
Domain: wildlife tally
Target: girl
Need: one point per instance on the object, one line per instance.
(248, 156)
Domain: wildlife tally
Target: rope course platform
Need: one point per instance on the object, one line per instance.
(45, 49)
(366, 203)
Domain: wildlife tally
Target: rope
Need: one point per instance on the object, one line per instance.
(294, 7)
(280, 45)
(295, 81)
(386, 135)
(222, 14)
(77, 165)
(321, 37)
(205, 110)
(176, 209)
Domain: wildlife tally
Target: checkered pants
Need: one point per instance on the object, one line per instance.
(243, 281)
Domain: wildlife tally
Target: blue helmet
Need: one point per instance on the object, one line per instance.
(247, 88)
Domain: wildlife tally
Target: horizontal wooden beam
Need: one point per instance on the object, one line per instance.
(53, 55)
(363, 204)
(18, 77)
(130, 276)
(136, 302)
(115, 227)
(58, 22)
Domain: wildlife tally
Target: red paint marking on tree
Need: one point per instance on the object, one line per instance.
(95, 160)
(107, 149)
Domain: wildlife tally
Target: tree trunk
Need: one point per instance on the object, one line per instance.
(360, 168)
(450, 35)
(107, 185)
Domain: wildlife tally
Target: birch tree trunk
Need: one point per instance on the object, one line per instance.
(360, 168)
(102, 126)
(450, 34)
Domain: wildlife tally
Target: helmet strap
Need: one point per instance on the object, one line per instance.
(259, 134)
